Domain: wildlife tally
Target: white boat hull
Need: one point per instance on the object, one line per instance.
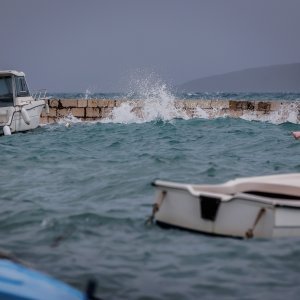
(240, 215)
(12, 116)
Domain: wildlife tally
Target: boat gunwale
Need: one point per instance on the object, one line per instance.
(16, 111)
(280, 202)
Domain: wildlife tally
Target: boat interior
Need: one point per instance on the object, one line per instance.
(276, 186)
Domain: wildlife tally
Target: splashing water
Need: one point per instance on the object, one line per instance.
(153, 100)
(150, 99)
(163, 106)
(201, 113)
(286, 113)
(87, 95)
(68, 120)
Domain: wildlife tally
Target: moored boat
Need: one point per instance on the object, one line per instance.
(263, 206)
(19, 111)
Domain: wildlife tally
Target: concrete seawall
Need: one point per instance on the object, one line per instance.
(88, 110)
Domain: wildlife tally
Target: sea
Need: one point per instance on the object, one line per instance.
(75, 197)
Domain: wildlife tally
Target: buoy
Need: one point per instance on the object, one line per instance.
(25, 115)
(6, 130)
(296, 134)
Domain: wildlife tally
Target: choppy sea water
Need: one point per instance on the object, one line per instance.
(88, 94)
(74, 201)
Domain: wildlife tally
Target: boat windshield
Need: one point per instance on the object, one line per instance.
(21, 87)
(6, 94)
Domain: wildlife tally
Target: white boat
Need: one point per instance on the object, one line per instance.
(19, 111)
(262, 207)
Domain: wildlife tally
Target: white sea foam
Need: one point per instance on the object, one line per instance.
(124, 114)
(162, 106)
(286, 113)
(201, 113)
(68, 120)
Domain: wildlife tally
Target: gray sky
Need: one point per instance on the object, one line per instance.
(72, 45)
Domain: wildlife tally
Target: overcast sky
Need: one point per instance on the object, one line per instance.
(72, 45)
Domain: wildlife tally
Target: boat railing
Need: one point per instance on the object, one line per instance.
(39, 94)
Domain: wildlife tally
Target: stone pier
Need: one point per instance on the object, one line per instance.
(95, 109)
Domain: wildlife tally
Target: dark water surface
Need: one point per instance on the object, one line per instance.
(74, 201)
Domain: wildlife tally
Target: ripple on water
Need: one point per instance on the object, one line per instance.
(74, 201)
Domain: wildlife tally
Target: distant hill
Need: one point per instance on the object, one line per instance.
(277, 78)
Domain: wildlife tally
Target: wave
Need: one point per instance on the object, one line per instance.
(89, 93)
(150, 99)
(157, 102)
(128, 113)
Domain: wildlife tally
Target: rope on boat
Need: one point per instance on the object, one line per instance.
(155, 207)
(249, 232)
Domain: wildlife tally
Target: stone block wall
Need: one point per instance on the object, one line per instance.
(102, 108)
(84, 109)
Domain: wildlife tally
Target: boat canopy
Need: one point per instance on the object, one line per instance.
(12, 84)
(11, 72)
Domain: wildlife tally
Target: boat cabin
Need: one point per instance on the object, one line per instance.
(13, 89)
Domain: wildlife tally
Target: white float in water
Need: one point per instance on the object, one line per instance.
(25, 115)
(6, 130)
